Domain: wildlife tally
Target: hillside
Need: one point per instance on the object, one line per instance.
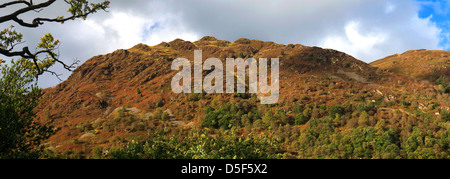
(122, 97)
(422, 64)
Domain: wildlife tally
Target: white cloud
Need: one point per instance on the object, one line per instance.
(389, 8)
(365, 29)
(167, 29)
(354, 42)
(123, 30)
(379, 41)
(126, 30)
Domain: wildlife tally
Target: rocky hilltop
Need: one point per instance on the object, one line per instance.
(114, 98)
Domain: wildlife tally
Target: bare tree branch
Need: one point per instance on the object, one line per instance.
(24, 53)
(16, 2)
(14, 15)
(55, 74)
(39, 21)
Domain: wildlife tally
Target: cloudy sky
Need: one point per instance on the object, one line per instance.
(365, 29)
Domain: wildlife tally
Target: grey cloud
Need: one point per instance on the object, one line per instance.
(308, 22)
(304, 22)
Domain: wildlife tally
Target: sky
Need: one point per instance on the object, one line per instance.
(366, 29)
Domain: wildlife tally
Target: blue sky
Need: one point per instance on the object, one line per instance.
(439, 13)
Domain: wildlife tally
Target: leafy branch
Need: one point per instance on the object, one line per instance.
(48, 46)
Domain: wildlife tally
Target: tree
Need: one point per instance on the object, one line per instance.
(45, 55)
(223, 117)
(210, 119)
(300, 119)
(241, 55)
(297, 109)
(138, 92)
(20, 133)
(335, 109)
(268, 119)
(445, 114)
(363, 118)
(307, 112)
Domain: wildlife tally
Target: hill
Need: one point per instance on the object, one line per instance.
(430, 65)
(113, 100)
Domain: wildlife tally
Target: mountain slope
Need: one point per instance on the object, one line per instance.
(421, 64)
(121, 96)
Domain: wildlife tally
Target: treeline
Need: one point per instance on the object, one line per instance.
(195, 145)
(348, 130)
(244, 129)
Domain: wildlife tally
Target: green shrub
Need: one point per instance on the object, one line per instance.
(122, 112)
(300, 119)
(138, 92)
(198, 145)
(297, 109)
(447, 89)
(335, 109)
(241, 55)
(445, 114)
(441, 81)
